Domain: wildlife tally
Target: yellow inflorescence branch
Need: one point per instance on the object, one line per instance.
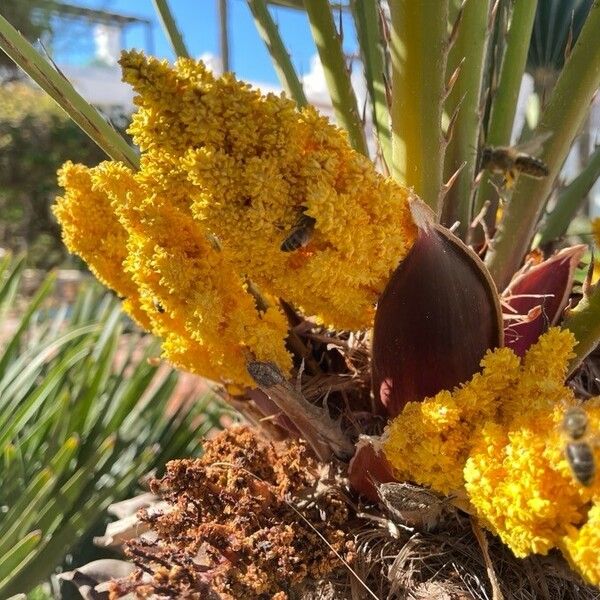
(499, 438)
(225, 175)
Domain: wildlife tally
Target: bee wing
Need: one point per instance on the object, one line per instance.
(532, 145)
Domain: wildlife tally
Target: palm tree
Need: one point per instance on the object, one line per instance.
(458, 378)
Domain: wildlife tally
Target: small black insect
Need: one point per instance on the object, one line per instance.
(300, 235)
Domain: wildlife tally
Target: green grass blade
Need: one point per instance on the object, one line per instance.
(170, 427)
(10, 284)
(65, 95)
(111, 328)
(53, 327)
(130, 395)
(15, 419)
(152, 402)
(98, 366)
(186, 439)
(81, 311)
(63, 457)
(44, 479)
(49, 554)
(10, 471)
(95, 398)
(34, 304)
(336, 72)
(23, 516)
(570, 200)
(52, 426)
(269, 32)
(563, 116)
(371, 44)
(16, 477)
(16, 555)
(42, 431)
(6, 262)
(468, 54)
(419, 53)
(170, 28)
(23, 371)
(123, 400)
(64, 498)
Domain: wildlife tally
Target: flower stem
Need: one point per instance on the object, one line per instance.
(366, 19)
(505, 96)
(563, 116)
(269, 32)
(329, 46)
(419, 52)
(59, 88)
(467, 53)
(170, 28)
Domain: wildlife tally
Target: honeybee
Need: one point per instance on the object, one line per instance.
(579, 451)
(300, 234)
(512, 160)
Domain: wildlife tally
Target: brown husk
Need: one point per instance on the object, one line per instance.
(435, 320)
(234, 529)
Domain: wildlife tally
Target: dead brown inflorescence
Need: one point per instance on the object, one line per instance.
(249, 519)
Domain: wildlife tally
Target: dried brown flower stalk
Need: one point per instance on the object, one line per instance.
(235, 530)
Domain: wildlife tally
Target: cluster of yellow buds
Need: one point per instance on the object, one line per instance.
(499, 439)
(193, 240)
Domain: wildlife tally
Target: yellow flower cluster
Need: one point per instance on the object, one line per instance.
(174, 281)
(225, 174)
(499, 438)
(250, 165)
(91, 229)
(429, 441)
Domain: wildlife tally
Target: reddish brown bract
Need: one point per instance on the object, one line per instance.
(435, 320)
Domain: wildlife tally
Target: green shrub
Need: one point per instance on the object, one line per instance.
(36, 137)
(83, 415)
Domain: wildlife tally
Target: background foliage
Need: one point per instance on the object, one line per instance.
(83, 415)
(36, 137)
(32, 19)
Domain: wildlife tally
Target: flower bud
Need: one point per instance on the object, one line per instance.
(438, 315)
(536, 297)
(369, 468)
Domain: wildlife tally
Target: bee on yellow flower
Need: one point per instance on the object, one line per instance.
(499, 439)
(225, 171)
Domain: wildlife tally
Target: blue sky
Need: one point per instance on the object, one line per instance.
(198, 20)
